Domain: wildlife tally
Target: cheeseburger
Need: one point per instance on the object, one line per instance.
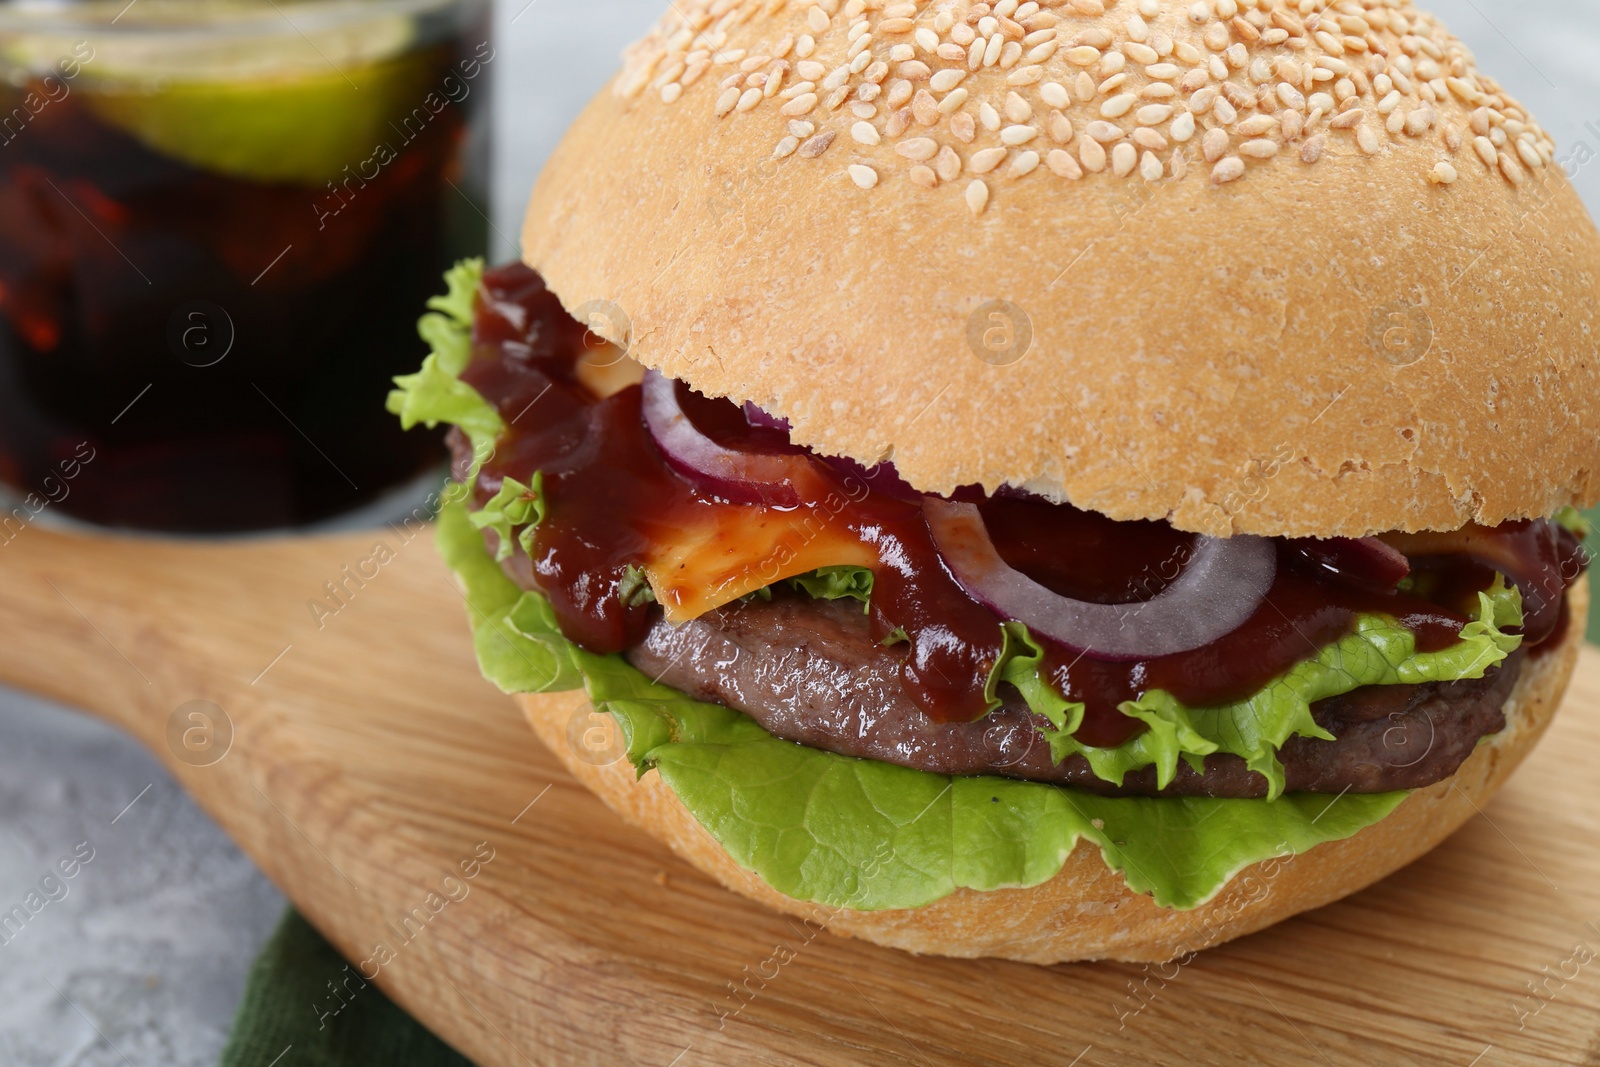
(1053, 480)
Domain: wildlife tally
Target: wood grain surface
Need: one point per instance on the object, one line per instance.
(370, 771)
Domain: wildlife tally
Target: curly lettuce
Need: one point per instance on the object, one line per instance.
(436, 393)
(1377, 652)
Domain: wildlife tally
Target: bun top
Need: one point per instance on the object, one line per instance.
(1248, 265)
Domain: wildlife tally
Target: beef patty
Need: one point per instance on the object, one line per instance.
(809, 671)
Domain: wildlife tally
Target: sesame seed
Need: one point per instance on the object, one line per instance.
(1512, 172)
(948, 79)
(670, 92)
(1150, 168)
(1202, 100)
(1062, 164)
(817, 145)
(1142, 54)
(864, 133)
(977, 196)
(947, 164)
(1016, 135)
(918, 148)
(899, 121)
(1260, 148)
(923, 176)
(1025, 163)
(1256, 125)
(953, 101)
(1117, 106)
(925, 108)
(1228, 169)
(1145, 137)
(1367, 139)
(1017, 109)
(1529, 154)
(1092, 155)
(1214, 144)
(1312, 150)
(988, 116)
(1442, 174)
(926, 39)
(1182, 127)
(786, 147)
(1084, 55)
(800, 105)
(1124, 157)
(1153, 114)
(727, 101)
(963, 126)
(986, 159)
(863, 110)
(1485, 149)
(1348, 120)
(1104, 132)
(865, 177)
(1055, 95)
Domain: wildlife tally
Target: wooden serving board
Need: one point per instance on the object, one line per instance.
(368, 761)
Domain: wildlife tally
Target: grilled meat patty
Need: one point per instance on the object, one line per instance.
(809, 671)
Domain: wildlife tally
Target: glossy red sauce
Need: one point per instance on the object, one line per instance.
(610, 495)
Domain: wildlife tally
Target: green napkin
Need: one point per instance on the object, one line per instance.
(290, 1017)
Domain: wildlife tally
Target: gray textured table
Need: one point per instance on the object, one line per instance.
(143, 958)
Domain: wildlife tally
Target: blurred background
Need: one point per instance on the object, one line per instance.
(142, 958)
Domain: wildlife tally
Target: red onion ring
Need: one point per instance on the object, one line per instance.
(757, 417)
(1222, 585)
(1363, 561)
(743, 477)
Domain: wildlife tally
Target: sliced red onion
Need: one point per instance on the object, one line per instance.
(1364, 561)
(1222, 585)
(742, 477)
(757, 417)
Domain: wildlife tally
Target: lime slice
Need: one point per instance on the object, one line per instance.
(304, 130)
(254, 95)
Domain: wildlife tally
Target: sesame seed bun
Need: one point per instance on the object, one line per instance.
(1085, 911)
(1242, 264)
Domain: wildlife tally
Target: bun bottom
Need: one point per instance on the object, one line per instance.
(1086, 912)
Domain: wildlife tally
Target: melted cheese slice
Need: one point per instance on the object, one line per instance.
(736, 550)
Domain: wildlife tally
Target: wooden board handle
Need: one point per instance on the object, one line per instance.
(130, 628)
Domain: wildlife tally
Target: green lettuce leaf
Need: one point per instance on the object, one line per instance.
(516, 507)
(836, 583)
(436, 393)
(846, 832)
(1378, 652)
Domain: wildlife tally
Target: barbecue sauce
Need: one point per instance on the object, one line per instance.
(609, 496)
